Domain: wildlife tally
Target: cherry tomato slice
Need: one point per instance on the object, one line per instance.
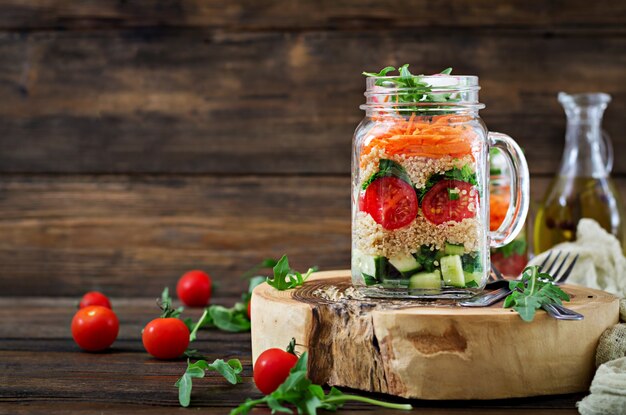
(450, 200)
(392, 202)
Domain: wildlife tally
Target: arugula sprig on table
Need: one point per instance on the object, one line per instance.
(234, 319)
(413, 88)
(230, 370)
(285, 277)
(534, 290)
(307, 397)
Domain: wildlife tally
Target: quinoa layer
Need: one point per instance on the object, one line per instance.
(372, 239)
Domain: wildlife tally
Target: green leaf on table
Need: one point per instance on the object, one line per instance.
(229, 370)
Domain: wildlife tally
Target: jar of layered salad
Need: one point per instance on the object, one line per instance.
(420, 180)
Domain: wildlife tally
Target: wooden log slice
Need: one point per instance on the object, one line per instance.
(431, 350)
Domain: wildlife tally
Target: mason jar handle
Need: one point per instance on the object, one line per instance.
(520, 200)
(606, 144)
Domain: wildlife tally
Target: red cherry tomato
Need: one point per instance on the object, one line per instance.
(272, 368)
(392, 202)
(450, 200)
(194, 288)
(94, 328)
(94, 298)
(165, 338)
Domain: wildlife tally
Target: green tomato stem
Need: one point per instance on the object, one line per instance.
(344, 398)
(194, 332)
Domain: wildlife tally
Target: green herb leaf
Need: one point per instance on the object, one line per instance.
(229, 370)
(285, 278)
(297, 390)
(388, 168)
(266, 263)
(165, 304)
(464, 174)
(383, 72)
(413, 89)
(533, 291)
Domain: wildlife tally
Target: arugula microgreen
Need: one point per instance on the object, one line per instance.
(165, 304)
(229, 370)
(412, 88)
(234, 319)
(534, 290)
(464, 174)
(286, 278)
(388, 168)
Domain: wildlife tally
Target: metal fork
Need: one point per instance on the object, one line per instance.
(555, 310)
(502, 290)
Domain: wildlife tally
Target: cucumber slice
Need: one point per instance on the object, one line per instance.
(472, 276)
(406, 264)
(372, 266)
(452, 270)
(426, 280)
(454, 249)
(364, 263)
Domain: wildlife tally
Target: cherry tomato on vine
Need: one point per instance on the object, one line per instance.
(94, 298)
(391, 202)
(450, 200)
(165, 338)
(194, 288)
(94, 328)
(272, 367)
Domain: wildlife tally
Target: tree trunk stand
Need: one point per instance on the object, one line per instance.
(431, 350)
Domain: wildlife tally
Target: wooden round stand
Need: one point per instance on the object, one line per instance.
(431, 350)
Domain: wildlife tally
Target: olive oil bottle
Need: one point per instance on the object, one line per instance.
(582, 188)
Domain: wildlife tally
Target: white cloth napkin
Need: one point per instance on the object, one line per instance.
(608, 390)
(601, 263)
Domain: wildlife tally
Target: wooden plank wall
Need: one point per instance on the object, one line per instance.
(138, 140)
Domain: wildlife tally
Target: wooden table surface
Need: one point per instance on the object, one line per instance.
(43, 371)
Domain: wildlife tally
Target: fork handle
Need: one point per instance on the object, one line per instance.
(561, 313)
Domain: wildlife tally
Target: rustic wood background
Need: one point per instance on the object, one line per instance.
(139, 140)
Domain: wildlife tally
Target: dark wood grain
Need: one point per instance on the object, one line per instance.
(197, 101)
(131, 236)
(46, 372)
(328, 14)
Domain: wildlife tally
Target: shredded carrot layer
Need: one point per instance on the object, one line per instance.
(498, 207)
(443, 135)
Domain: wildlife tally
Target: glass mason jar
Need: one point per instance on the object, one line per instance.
(420, 198)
